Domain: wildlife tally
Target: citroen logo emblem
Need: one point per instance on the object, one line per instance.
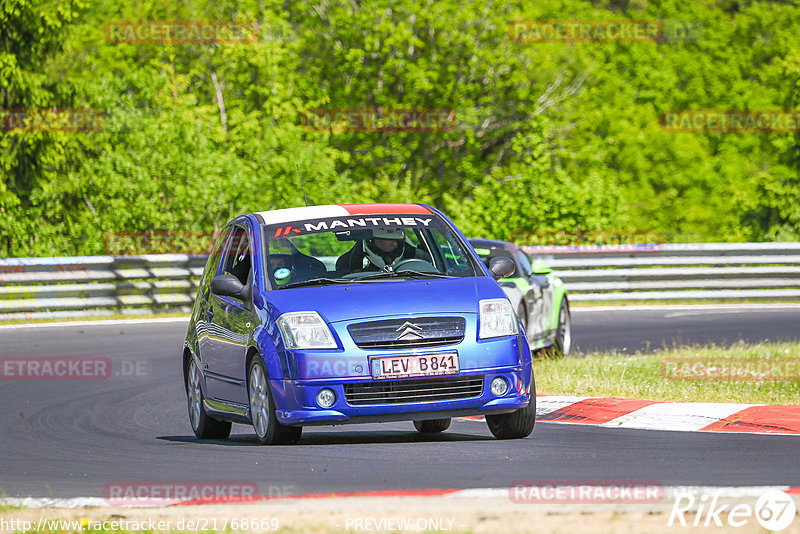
(409, 329)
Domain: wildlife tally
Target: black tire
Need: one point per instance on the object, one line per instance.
(514, 425)
(288, 435)
(563, 341)
(262, 410)
(203, 425)
(432, 426)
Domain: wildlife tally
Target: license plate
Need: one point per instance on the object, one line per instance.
(420, 365)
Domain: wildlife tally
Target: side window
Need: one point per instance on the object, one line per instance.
(212, 263)
(412, 237)
(454, 260)
(524, 262)
(237, 255)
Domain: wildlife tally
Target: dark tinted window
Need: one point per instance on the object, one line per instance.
(212, 264)
(524, 263)
(237, 255)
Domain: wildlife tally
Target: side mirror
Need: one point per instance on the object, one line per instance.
(501, 267)
(541, 268)
(227, 285)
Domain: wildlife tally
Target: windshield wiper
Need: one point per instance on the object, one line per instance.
(402, 274)
(315, 282)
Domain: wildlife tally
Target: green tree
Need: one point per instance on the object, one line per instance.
(31, 33)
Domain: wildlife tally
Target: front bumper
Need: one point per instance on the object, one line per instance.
(296, 401)
(348, 368)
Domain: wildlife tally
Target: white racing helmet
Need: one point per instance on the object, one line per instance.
(378, 257)
(389, 233)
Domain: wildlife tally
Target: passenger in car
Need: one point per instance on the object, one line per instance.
(287, 264)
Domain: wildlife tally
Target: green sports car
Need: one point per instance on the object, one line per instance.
(538, 296)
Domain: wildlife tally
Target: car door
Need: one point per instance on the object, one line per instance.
(540, 295)
(534, 295)
(231, 322)
(204, 308)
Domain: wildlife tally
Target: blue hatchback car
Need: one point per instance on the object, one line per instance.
(340, 314)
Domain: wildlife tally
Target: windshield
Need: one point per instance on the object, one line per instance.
(363, 249)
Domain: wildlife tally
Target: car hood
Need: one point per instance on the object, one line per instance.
(386, 298)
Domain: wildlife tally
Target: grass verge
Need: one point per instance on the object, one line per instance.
(763, 373)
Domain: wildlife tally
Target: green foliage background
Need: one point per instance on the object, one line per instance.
(550, 137)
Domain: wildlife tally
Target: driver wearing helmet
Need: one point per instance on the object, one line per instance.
(387, 246)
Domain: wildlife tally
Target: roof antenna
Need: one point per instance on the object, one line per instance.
(301, 183)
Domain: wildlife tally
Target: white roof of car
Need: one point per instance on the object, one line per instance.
(303, 213)
(288, 215)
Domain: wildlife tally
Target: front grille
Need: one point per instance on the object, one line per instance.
(413, 391)
(408, 333)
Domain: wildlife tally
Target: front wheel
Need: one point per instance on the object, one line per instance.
(262, 410)
(514, 425)
(204, 426)
(432, 426)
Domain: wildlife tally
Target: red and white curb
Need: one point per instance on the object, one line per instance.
(666, 494)
(680, 416)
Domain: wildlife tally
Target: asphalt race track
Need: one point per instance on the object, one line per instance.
(71, 438)
(651, 329)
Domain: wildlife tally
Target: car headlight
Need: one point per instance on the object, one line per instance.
(497, 319)
(305, 330)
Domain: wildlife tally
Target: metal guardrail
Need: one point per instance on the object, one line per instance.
(36, 288)
(676, 271)
(40, 288)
